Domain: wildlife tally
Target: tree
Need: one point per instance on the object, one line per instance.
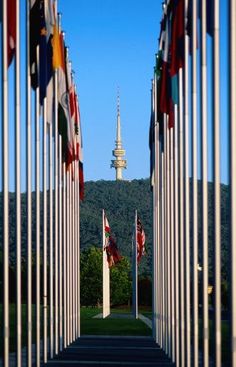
(120, 282)
(91, 276)
(91, 279)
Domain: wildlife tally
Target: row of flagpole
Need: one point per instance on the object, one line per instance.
(57, 237)
(176, 294)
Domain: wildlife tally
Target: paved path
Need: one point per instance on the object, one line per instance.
(111, 351)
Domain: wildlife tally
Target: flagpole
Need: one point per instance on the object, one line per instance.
(29, 189)
(172, 258)
(176, 239)
(186, 193)
(73, 253)
(217, 203)
(52, 305)
(168, 242)
(56, 211)
(18, 188)
(162, 254)
(61, 268)
(204, 185)
(76, 252)
(45, 242)
(194, 184)
(165, 255)
(64, 218)
(78, 249)
(135, 273)
(68, 256)
(5, 186)
(232, 111)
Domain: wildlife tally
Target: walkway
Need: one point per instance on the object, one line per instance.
(111, 351)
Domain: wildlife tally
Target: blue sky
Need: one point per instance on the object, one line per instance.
(113, 44)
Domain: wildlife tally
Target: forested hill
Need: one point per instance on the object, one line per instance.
(119, 199)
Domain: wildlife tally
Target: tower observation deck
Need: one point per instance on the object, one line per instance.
(118, 163)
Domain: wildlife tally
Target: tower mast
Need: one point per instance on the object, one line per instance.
(118, 163)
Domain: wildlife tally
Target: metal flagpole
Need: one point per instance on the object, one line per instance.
(73, 252)
(162, 253)
(56, 207)
(172, 258)
(164, 259)
(232, 111)
(67, 256)
(18, 189)
(135, 270)
(60, 221)
(181, 222)
(52, 306)
(176, 238)
(64, 218)
(78, 249)
(29, 196)
(71, 257)
(194, 184)
(5, 184)
(45, 240)
(37, 191)
(168, 290)
(204, 185)
(217, 205)
(186, 193)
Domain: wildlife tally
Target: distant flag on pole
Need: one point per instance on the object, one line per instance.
(11, 29)
(141, 240)
(113, 256)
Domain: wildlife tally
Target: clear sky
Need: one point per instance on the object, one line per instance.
(113, 43)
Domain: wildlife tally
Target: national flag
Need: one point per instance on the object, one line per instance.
(141, 239)
(177, 36)
(36, 16)
(113, 256)
(11, 30)
(79, 147)
(70, 128)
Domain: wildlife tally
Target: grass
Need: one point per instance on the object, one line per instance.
(110, 326)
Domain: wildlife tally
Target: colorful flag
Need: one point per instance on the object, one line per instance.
(113, 256)
(141, 240)
(79, 147)
(177, 36)
(11, 29)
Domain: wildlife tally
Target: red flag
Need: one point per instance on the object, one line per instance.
(177, 37)
(141, 239)
(11, 29)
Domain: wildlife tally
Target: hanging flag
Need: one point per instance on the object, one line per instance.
(11, 29)
(36, 14)
(113, 256)
(141, 239)
(177, 36)
(79, 147)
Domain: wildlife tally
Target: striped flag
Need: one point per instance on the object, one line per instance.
(113, 256)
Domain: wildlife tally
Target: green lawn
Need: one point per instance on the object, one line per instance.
(110, 326)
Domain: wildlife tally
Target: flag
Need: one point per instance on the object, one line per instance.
(113, 256)
(70, 128)
(177, 36)
(79, 147)
(11, 30)
(36, 14)
(141, 239)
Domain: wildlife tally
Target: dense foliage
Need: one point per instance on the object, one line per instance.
(91, 279)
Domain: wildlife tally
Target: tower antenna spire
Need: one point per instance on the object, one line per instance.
(119, 164)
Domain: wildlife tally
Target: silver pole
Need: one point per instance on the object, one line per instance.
(5, 184)
(18, 189)
(168, 290)
(162, 254)
(194, 183)
(52, 306)
(37, 181)
(181, 223)
(172, 257)
(61, 270)
(176, 238)
(217, 205)
(186, 194)
(204, 185)
(232, 110)
(135, 270)
(45, 240)
(71, 259)
(68, 255)
(56, 228)
(78, 249)
(73, 251)
(64, 255)
(29, 196)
